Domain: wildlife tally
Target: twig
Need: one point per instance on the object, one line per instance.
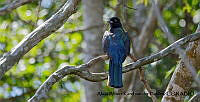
(142, 78)
(163, 25)
(38, 11)
(133, 57)
(147, 86)
(11, 6)
(146, 32)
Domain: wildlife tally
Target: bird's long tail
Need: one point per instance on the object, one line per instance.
(115, 73)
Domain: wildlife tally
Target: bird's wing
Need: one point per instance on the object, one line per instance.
(105, 41)
(127, 43)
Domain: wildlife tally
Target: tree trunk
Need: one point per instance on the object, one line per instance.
(182, 78)
(93, 15)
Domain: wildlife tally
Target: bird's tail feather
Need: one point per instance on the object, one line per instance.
(115, 73)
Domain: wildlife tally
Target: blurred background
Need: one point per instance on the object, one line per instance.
(79, 40)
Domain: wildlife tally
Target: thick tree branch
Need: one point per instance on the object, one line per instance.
(15, 4)
(83, 72)
(52, 24)
(162, 53)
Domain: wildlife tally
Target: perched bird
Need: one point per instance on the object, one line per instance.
(116, 44)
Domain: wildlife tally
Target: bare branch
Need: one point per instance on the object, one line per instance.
(15, 4)
(195, 98)
(163, 25)
(149, 26)
(142, 78)
(82, 70)
(38, 11)
(162, 53)
(146, 85)
(52, 24)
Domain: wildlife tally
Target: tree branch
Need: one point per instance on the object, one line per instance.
(195, 98)
(52, 24)
(83, 72)
(15, 4)
(142, 78)
(147, 86)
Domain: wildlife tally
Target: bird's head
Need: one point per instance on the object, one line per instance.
(114, 22)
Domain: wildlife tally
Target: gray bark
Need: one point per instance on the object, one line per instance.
(93, 15)
(52, 24)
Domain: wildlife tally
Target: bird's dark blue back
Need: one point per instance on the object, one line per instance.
(116, 41)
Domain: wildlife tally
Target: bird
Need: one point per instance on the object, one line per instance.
(116, 44)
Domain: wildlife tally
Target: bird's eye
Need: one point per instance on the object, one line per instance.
(111, 21)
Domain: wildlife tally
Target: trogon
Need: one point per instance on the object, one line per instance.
(116, 44)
